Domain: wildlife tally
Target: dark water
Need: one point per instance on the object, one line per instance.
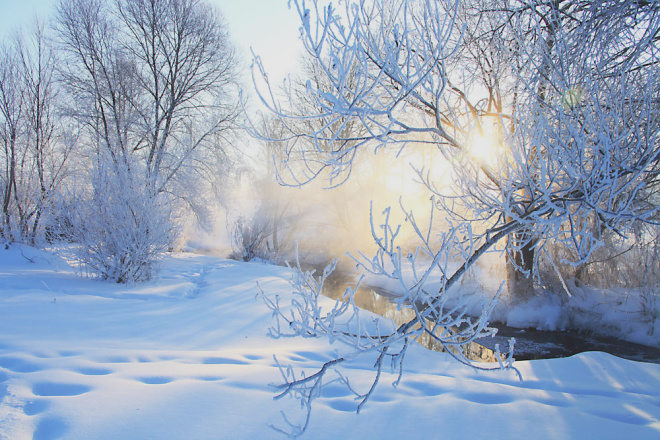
(529, 343)
(539, 344)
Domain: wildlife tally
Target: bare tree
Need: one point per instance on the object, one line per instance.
(186, 73)
(48, 155)
(551, 129)
(35, 161)
(154, 82)
(158, 76)
(11, 109)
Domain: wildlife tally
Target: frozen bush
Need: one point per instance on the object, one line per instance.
(260, 236)
(121, 230)
(249, 239)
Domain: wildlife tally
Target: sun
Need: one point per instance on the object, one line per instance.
(485, 148)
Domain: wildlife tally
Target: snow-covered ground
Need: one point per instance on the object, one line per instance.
(188, 357)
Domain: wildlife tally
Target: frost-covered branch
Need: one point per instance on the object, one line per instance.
(310, 314)
(545, 116)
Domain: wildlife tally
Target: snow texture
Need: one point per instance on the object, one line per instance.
(187, 356)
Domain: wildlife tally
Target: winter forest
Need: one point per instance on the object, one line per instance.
(193, 247)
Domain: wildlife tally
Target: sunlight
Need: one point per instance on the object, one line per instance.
(485, 148)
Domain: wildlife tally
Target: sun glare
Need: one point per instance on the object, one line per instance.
(485, 148)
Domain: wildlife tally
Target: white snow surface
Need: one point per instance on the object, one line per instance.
(187, 356)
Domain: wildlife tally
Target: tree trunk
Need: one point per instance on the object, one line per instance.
(520, 265)
(520, 258)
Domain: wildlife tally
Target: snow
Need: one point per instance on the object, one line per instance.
(187, 356)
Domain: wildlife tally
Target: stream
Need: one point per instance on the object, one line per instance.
(530, 343)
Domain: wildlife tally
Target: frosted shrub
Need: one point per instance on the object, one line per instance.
(121, 230)
(249, 239)
(261, 235)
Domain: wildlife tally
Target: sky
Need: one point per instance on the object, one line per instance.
(269, 27)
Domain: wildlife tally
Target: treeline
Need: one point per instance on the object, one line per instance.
(115, 119)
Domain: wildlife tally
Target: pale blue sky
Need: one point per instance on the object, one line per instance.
(268, 26)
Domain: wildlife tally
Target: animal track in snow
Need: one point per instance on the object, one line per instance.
(336, 390)
(50, 428)
(35, 407)
(69, 353)
(93, 371)
(155, 380)
(209, 378)
(222, 360)
(18, 365)
(487, 398)
(116, 360)
(424, 388)
(52, 389)
(342, 405)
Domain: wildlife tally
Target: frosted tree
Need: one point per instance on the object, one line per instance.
(34, 157)
(11, 109)
(152, 83)
(48, 154)
(186, 70)
(546, 111)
